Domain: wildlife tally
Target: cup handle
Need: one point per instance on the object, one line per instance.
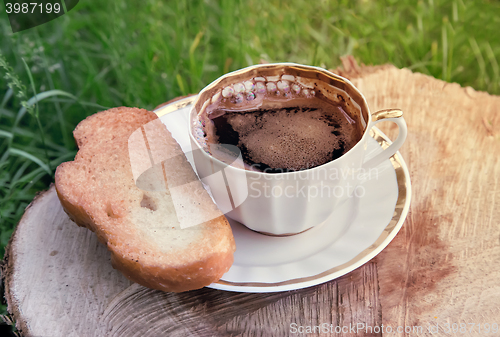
(391, 115)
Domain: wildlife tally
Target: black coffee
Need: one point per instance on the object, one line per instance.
(283, 139)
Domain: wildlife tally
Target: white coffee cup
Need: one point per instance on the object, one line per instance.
(290, 202)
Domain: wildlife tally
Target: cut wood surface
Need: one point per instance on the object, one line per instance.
(442, 268)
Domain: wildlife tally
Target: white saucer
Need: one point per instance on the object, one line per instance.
(269, 264)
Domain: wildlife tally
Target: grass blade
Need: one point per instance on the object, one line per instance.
(31, 157)
(6, 97)
(7, 113)
(35, 103)
(494, 66)
(40, 97)
(37, 115)
(444, 39)
(480, 60)
(6, 134)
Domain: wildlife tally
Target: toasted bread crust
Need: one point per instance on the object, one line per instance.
(188, 277)
(101, 195)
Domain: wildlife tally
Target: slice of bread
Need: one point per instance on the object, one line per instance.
(140, 226)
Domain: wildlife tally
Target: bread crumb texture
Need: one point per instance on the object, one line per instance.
(140, 225)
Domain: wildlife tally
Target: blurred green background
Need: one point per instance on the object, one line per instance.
(142, 53)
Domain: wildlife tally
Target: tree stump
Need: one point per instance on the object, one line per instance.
(441, 269)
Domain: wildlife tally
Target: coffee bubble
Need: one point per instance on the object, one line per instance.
(280, 123)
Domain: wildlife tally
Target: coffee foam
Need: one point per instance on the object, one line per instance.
(294, 138)
(261, 111)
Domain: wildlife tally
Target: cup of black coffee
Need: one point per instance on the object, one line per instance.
(282, 145)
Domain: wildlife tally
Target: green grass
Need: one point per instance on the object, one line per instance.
(142, 53)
